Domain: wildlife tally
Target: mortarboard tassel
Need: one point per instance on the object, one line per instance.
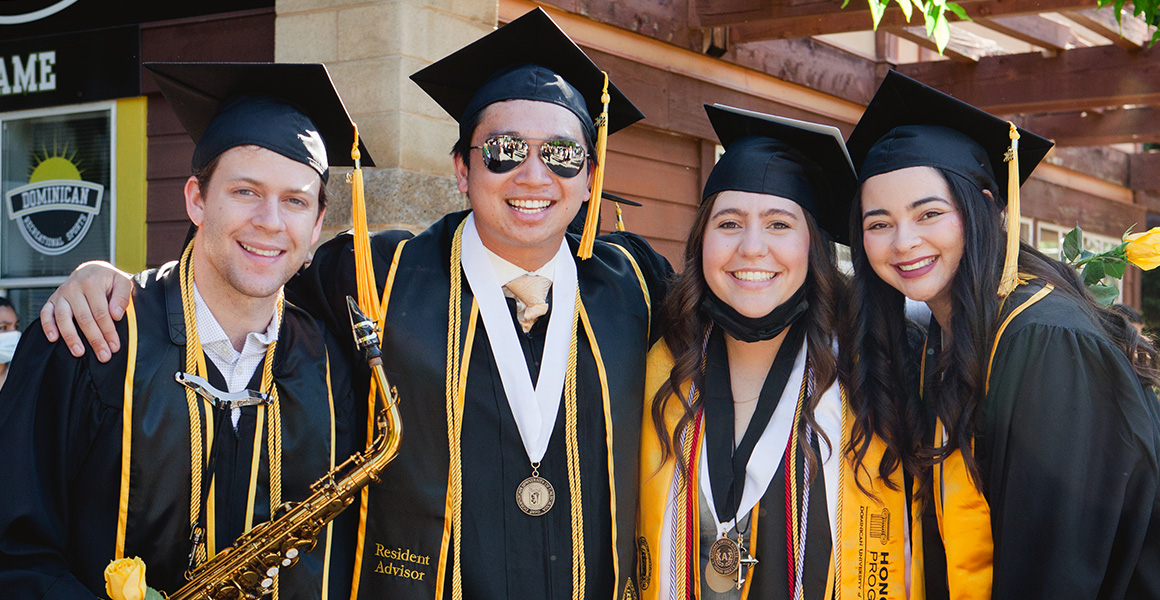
(593, 220)
(364, 268)
(1010, 277)
(619, 217)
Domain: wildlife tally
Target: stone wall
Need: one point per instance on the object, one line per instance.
(371, 48)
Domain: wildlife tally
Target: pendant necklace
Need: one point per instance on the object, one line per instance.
(535, 495)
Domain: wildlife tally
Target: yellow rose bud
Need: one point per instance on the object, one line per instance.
(125, 579)
(1144, 249)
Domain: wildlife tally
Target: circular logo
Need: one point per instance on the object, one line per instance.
(535, 496)
(724, 556)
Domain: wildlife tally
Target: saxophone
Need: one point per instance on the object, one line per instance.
(248, 568)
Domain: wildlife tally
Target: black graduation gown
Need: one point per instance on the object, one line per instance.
(504, 552)
(61, 432)
(1068, 443)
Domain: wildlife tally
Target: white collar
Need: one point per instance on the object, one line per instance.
(534, 407)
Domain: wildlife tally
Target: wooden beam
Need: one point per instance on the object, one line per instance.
(781, 19)
(1078, 79)
(1034, 30)
(1144, 171)
(1098, 128)
(963, 46)
(1130, 33)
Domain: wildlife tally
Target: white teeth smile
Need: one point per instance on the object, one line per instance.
(754, 275)
(529, 206)
(269, 253)
(918, 265)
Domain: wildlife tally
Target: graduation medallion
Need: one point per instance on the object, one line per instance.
(535, 495)
(724, 555)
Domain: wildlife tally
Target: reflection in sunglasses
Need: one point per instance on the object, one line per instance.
(503, 153)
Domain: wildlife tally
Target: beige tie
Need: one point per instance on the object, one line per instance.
(532, 291)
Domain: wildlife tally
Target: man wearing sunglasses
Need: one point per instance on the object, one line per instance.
(519, 365)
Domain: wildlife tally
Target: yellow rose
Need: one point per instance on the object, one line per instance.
(125, 579)
(1144, 249)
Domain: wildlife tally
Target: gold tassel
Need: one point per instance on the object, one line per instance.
(593, 220)
(1010, 277)
(364, 268)
(619, 217)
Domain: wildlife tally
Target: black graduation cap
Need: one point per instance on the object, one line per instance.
(530, 58)
(802, 161)
(910, 124)
(290, 109)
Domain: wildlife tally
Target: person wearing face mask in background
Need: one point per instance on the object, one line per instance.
(9, 336)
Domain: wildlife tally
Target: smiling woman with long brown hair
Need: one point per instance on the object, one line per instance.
(744, 389)
(1033, 436)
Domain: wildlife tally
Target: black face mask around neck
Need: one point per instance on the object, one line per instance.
(747, 329)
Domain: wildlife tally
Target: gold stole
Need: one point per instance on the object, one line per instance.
(964, 516)
(869, 546)
(869, 557)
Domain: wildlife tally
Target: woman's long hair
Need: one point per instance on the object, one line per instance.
(885, 374)
(827, 292)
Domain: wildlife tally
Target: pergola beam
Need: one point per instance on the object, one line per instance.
(1098, 128)
(1078, 79)
(1144, 172)
(1034, 30)
(1131, 33)
(754, 20)
(964, 46)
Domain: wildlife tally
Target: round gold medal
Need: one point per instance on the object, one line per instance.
(717, 582)
(724, 556)
(535, 496)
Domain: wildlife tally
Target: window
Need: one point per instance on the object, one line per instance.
(56, 197)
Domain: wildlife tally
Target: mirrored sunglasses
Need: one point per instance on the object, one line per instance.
(503, 153)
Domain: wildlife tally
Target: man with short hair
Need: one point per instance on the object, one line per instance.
(522, 479)
(120, 459)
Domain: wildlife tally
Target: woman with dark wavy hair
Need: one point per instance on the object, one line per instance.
(1033, 436)
(744, 388)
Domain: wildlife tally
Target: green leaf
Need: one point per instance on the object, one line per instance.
(906, 6)
(1085, 254)
(1105, 295)
(942, 33)
(152, 594)
(1071, 244)
(1115, 268)
(959, 11)
(877, 9)
(1093, 273)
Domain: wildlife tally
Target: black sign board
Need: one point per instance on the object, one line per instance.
(70, 68)
(27, 18)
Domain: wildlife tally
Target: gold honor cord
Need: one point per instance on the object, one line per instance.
(1010, 277)
(797, 508)
(195, 363)
(592, 222)
(455, 389)
(126, 433)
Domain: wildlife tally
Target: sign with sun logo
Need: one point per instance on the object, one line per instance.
(57, 206)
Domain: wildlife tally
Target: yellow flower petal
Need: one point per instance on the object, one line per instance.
(1143, 249)
(125, 579)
